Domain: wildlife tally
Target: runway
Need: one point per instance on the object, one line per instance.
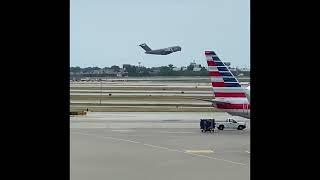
(164, 94)
(156, 145)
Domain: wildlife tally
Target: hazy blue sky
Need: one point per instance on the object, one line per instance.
(108, 32)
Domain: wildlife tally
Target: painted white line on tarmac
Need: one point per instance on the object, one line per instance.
(158, 147)
(122, 130)
(199, 151)
(176, 132)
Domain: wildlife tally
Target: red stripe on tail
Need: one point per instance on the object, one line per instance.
(217, 84)
(211, 63)
(214, 73)
(209, 53)
(225, 94)
(233, 106)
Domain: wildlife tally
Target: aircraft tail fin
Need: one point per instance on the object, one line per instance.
(145, 47)
(223, 82)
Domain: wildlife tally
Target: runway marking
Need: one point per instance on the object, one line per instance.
(198, 151)
(159, 147)
(87, 125)
(176, 132)
(122, 130)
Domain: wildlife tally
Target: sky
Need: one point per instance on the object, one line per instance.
(107, 32)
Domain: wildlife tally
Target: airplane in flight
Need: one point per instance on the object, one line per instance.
(163, 51)
(229, 95)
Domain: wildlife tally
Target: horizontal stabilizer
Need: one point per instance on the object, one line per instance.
(145, 47)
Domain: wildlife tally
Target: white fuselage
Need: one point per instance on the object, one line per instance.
(244, 111)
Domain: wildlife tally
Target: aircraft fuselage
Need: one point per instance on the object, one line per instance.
(164, 51)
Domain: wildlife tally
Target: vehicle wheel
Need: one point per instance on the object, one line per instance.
(221, 127)
(240, 127)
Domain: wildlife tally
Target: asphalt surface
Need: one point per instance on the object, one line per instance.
(140, 94)
(156, 145)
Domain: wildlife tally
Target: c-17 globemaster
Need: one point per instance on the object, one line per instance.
(163, 51)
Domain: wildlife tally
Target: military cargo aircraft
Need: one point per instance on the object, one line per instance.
(163, 51)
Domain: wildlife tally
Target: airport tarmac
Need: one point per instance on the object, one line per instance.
(156, 145)
(132, 91)
(144, 85)
(140, 94)
(135, 102)
(156, 96)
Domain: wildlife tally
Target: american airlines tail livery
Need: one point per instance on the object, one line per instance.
(229, 95)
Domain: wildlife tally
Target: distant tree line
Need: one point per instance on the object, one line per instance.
(137, 71)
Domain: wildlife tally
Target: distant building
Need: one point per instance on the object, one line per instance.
(233, 69)
(245, 69)
(176, 69)
(100, 71)
(155, 70)
(196, 67)
(193, 64)
(123, 72)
